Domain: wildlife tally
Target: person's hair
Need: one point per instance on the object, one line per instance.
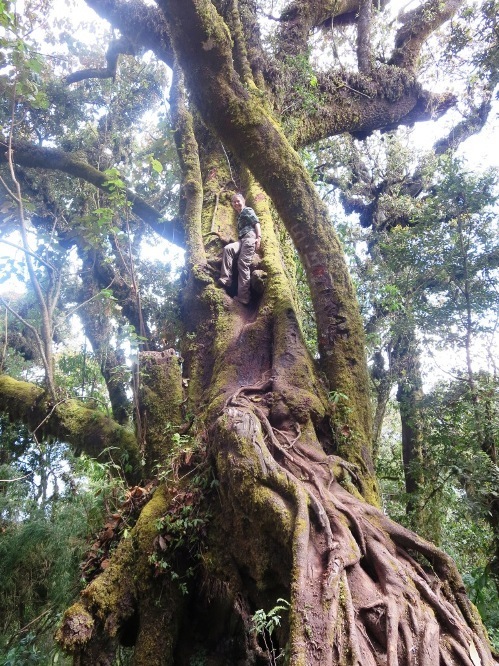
(237, 195)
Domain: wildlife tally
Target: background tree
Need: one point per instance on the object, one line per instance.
(440, 287)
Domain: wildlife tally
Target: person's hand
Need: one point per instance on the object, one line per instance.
(258, 243)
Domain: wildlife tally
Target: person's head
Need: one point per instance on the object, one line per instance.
(238, 202)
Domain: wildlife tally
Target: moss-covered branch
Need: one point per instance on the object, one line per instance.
(379, 97)
(126, 603)
(417, 26)
(188, 155)
(361, 104)
(32, 156)
(301, 16)
(87, 430)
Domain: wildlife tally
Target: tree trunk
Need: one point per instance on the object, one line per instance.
(278, 513)
(409, 396)
(97, 325)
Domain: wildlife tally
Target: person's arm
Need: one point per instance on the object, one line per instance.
(258, 232)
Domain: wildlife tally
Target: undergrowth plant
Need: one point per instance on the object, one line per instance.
(264, 625)
(182, 530)
(44, 533)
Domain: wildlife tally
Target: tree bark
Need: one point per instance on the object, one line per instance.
(287, 519)
(409, 397)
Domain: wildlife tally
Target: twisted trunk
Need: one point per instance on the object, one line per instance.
(285, 518)
(267, 493)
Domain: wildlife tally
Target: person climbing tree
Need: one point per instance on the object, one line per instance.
(249, 237)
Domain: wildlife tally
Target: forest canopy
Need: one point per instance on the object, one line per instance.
(189, 479)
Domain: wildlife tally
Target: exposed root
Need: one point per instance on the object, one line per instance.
(289, 442)
(264, 385)
(363, 590)
(358, 595)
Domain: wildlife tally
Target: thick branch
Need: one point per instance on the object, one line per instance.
(417, 26)
(87, 430)
(360, 105)
(299, 18)
(472, 124)
(29, 155)
(144, 25)
(248, 19)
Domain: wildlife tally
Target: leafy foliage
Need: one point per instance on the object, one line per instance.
(50, 504)
(460, 482)
(265, 624)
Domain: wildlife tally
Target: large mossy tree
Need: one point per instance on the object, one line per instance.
(266, 488)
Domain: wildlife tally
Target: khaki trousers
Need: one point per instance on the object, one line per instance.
(244, 249)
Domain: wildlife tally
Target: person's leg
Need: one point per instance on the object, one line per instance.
(229, 253)
(243, 266)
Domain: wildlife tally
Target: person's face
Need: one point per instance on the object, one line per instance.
(238, 204)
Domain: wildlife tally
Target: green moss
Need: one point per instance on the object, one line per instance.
(76, 628)
(88, 430)
(12, 391)
(146, 525)
(146, 531)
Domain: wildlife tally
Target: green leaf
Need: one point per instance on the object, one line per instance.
(35, 64)
(40, 100)
(156, 165)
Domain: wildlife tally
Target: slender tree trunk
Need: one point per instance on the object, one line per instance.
(483, 416)
(409, 396)
(383, 383)
(97, 322)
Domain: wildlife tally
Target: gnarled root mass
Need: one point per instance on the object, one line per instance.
(364, 590)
